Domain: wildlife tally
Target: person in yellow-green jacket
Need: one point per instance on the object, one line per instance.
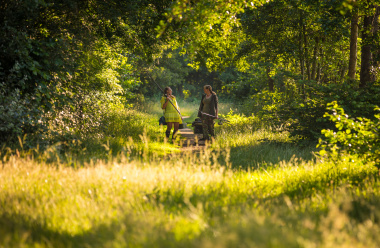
(172, 117)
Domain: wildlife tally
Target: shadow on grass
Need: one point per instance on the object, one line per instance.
(20, 231)
(267, 153)
(17, 230)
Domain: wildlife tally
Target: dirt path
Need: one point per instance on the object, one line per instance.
(189, 136)
(189, 143)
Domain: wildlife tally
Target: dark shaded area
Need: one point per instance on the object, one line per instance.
(13, 226)
(126, 229)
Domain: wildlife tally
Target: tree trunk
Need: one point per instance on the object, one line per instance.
(306, 54)
(343, 71)
(376, 52)
(353, 45)
(320, 61)
(315, 59)
(318, 78)
(301, 53)
(301, 57)
(270, 81)
(366, 73)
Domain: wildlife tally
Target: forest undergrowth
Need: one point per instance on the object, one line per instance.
(255, 186)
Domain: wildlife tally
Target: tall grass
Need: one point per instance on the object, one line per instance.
(125, 131)
(188, 201)
(253, 187)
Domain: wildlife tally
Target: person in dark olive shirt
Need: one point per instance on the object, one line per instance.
(208, 111)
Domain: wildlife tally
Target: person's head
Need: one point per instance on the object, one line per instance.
(208, 89)
(168, 91)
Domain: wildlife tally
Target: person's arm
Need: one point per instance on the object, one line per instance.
(216, 106)
(166, 103)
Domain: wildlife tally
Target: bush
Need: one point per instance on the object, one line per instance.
(356, 136)
(265, 105)
(306, 114)
(19, 116)
(84, 116)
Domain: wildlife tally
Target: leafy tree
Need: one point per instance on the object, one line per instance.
(298, 37)
(205, 29)
(57, 53)
(171, 70)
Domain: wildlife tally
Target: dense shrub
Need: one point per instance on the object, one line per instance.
(238, 123)
(306, 114)
(356, 136)
(20, 115)
(265, 105)
(303, 114)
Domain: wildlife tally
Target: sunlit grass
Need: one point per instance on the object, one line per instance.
(253, 187)
(187, 200)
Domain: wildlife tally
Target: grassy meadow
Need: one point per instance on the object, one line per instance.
(253, 187)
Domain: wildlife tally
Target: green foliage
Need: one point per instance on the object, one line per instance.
(238, 85)
(239, 123)
(70, 62)
(70, 71)
(20, 115)
(103, 133)
(355, 136)
(297, 37)
(265, 105)
(59, 54)
(305, 115)
(172, 70)
(206, 30)
(30, 58)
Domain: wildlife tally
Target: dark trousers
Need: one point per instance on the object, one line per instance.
(208, 127)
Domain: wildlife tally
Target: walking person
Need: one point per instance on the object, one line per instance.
(208, 111)
(172, 117)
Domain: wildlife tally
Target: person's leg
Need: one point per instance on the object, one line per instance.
(176, 127)
(211, 127)
(205, 128)
(168, 129)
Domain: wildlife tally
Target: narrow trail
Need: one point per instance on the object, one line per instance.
(190, 141)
